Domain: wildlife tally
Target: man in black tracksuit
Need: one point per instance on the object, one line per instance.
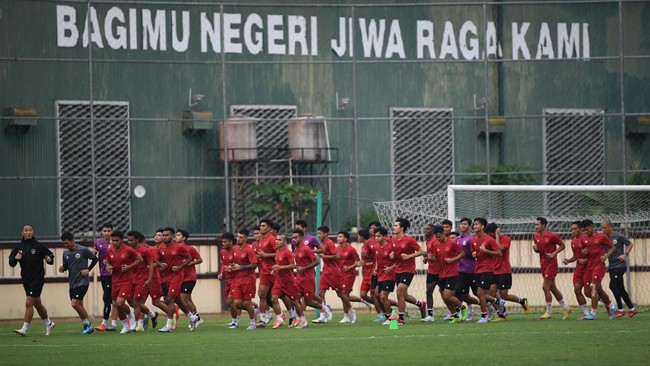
(30, 254)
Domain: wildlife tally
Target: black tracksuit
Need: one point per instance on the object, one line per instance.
(32, 270)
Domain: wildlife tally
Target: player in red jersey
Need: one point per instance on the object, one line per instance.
(406, 250)
(306, 261)
(243, 267)
(146, 281)
(447, 252)
(503, 273)
(227, 254)
(331, 275)
(593, 247)
(266, 257)
(368, 274)
(189, 274)
(433, 269)
(284, 284)
(548, 244)
(386, 264)
(120, 261)
(486, 251)
(581, 281)
(173, 257)
(349, 262)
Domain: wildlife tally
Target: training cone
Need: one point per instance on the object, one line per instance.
(393, 321)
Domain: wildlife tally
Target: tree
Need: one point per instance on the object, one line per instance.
(282, 199)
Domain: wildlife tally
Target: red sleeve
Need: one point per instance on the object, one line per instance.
(415, 245)
(182, 250)
(604, 240)
(493, 244)
(195, 253)
(134, 253)
(557, 240)
(355, 254)
(252, 258)
(456, 248)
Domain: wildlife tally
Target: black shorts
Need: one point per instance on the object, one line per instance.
(187, 287)
(449, 283)
(503, 281)
(387, 286)
(404, 278)
(485, 280)
(373, 282)
(34, 288)
(78, 292)
(433, 278)
(464, 282)
(165, 289)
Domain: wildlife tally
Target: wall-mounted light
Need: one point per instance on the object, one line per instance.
(194, 99)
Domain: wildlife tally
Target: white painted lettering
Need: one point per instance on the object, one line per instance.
(470, 52)
(297, 29)
(254, 40)
(545, 44)
(118, 40)
(154, 32)
(93, 23)
(519, 41)
(372, 39)
(67, 33)
(424, 29)
(448, 46)
(274, 33)
(210, 32)
(231, 33)
(182, 44)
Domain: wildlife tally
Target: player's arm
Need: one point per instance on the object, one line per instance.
(456, 258)
(49, 256)
(93, 260)
(64, 266)
(313, 264)
(12, 256)
(152, 269)
(196, 259)
(627, 248)
(494, 253)
(569, 260)
(560, 247)
(127, 267)
(607, 242)
(182, 265)
(263, 254)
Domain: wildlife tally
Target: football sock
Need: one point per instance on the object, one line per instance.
(152, 314)
(418, 303)
(430, 312)
(401, 316)
(86, 321)
(585, 309)
(563, 304)
(104, 322)
(25, 326)
(169, 323)
(113, 323)
(549, 307)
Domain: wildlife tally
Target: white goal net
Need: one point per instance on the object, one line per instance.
(515, 208)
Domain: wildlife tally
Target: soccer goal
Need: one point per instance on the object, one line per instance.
(514, 209)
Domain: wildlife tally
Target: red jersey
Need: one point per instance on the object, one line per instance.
(244, 256)
(368, 258)
(189, 272)
(174, 255)
(284, 277)
(117, 257)
(227, 258)
(141, 271)
(304, 256)
(596, 245)
(576, 248)
(349, 256)
(383, 261)
(330, 266)
(484, 261)
(267, 245)
(503, 262)
(448, 249)
(405, 245)
(433, 266)
(547, 243)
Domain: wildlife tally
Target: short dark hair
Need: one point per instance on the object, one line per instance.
(381, 230)
(298, 231)
(404, 223)
(466, 219)
(437, 229)
(67, 236)
(266, 221)
(243, 232)
(374, 223)
(324, 229)
(159, 231)
(345, 233)
(482, 220)
(586, 223)
(364, 234)
(169, 228)
(454, 233)
(276, 227)
(491, 228)
(184, 233)
(542, 220)
(578, 222)
(447, 222)
(108, 225)
(117, 234)
(228, 235)
(302, 223)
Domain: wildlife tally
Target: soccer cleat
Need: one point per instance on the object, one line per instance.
(367, 304)
(582, 317)
(379, 319)
(198, 322)
(448, 317)
(132, 323)
(464, 312)
(165, 329)
(565, 313)
(423, 309)
(321, 319)
(524, 304)
(154, 320)
(87, 329)
(401, 321)
(353, 316)
(590, 317)
(21, 332)
(100, 328)
(500, 318)
(49, 328)
(328, 312)
(125, 330)
(546, 316)
(139, 328)
(470, 315)
(455, 320)
(193, 320)
(613, 312)
(110, 328)
(428, 319)
(506, 313)
(631, 313)
(251, 326)
(291, 322)
(233, 325)
(492, 312)
(619, 313)
(386, 322)
(302, 325)
(278, 322)
(145, 321)
(346, 319)
(609, 308)
(483, 320)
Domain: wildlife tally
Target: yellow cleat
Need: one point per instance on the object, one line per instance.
(546, 316)
(566, 313)
(139, 328)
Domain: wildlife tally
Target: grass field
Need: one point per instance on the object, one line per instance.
(519, 341)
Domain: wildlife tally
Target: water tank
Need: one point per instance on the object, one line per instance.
(308, 138)
(242, 139)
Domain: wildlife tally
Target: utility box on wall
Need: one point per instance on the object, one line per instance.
(18, 120)
(196, 122)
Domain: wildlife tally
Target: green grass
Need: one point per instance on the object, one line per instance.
(519, 341)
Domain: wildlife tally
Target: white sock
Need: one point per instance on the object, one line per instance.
(593, 311)
(292, 313)
(549, 307)
(152, 314)
(585, 309)
(233, 320)
(47, 321)
(114, 323)
(25, 326)
(169, 323)
(124, 323)
(141, 322)
(278, 316)
(86, 321)
(563, 304)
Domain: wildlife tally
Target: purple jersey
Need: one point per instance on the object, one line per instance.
(311, 241)
(101, 246)
(466, 264)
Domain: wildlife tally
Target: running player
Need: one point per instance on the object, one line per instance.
(548, 244)
(227, 261)
(312, 241)
(466, 267)
(433, 270)
(406, 250)
(581, 281)
(306, 261)
(331, 276)
(243, 267)
(448, 254)
(266, 257)
(349, 262)
(189, 274)
(120, 261)
(593, 246)
(146, 281)
(75, 261)
(284, 284)
(617, 268)
(386, 264)
(101, 247)
(486, 251)
(368, 286)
